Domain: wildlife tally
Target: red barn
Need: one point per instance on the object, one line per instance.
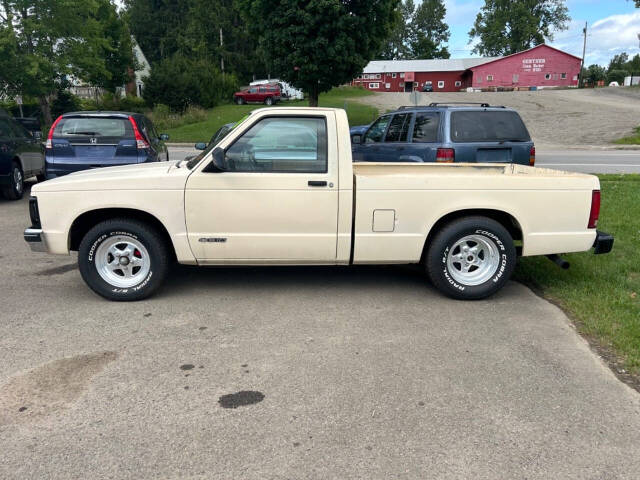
(540, 66)
(444, 75)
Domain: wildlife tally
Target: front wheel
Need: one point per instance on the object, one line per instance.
(123, 259)
(239, 100)
(471, 258)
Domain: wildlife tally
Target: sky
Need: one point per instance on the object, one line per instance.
(613, 26)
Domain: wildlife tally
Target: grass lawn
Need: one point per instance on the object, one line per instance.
(631, 140)
(343, 97)
(601, 292)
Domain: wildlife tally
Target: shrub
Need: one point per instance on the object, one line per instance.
(179, 82)
(64, 102)
(163, 118)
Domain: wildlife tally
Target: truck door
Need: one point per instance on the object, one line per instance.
(276, 199)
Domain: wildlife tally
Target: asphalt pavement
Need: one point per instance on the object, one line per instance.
(305, 373)
(585, 161)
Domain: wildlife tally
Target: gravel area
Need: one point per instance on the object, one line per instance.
(555, 118)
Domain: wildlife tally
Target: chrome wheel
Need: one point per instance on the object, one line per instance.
(122, 261)
(17, 180)
(473, 260)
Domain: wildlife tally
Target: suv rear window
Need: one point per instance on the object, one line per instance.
(488, 126)
(425, 128)
(94, 127)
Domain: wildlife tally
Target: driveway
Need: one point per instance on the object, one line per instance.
(347, 373)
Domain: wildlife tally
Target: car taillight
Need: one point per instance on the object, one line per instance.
(532, 156)
(595, 209)
(445, 155)
(49, 143)
(140, 141)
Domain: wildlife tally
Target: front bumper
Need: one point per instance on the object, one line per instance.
(35, 239)
(603, 243)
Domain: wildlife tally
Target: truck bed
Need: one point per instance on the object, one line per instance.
(398, 204)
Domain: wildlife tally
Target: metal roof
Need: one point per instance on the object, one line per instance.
(438, 65)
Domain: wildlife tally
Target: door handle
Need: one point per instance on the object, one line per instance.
(317, 183)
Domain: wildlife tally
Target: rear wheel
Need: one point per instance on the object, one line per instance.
(471, 258)
(239, 100)
(15, 189)
(123, 259)
(268, 101)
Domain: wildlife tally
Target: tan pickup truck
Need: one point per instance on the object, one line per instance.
(281, 189)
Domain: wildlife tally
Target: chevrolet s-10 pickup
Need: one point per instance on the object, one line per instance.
(281, 189)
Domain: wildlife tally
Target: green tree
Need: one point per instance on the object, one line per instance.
(429, 33)
(594, 74)
(45, 42)
(618, 62)
(192, 28)
(319, 44)
(181, 81)
(116, 49)
(397, 46)
(504, 27)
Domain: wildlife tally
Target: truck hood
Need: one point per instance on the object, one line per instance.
(144, 176)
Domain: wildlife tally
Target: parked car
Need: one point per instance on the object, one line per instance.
(427, 87)
(281, 189)
(21, 157)
(84, 140)
(446, 133)
(267, 94)
(32, 124)
(287, 91)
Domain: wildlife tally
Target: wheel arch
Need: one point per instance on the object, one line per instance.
(87, 220)
(507, 220)
(16, 158)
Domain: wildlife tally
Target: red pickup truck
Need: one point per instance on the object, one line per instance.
(267, 94)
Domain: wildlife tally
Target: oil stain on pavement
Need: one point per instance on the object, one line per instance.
(240, 399)
(49, 388)
(58, 270)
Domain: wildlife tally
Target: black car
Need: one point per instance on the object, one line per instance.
(427, 87)
(83, 140)
(21, 156)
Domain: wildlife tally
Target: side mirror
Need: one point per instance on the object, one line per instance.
(218, 161)
(164, 137)
(200, 146)
(356, 139)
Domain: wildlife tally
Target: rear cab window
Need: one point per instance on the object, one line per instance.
(78, 127)
(488, 126)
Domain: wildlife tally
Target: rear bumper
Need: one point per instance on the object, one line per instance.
(603, 243)
(35, 239)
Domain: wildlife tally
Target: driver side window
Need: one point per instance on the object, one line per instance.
(376, 132)
(281, 144)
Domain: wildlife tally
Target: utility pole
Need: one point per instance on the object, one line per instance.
(221, 56)
(584, 49)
